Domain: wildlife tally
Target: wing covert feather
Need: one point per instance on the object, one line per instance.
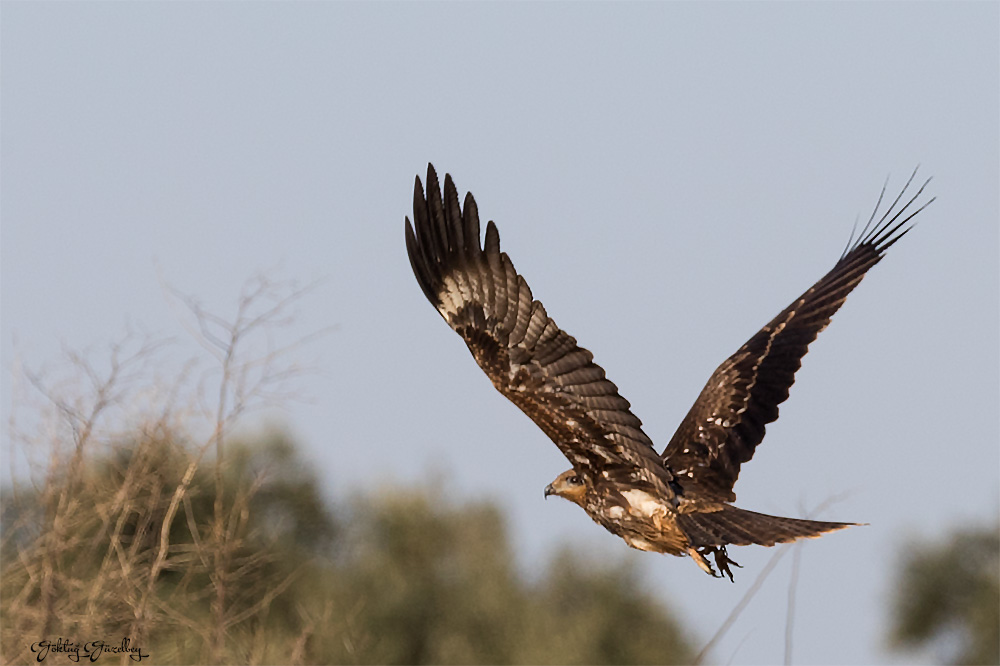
(528, 358)
(727, 421)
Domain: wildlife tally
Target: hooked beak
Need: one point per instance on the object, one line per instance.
(549, 490)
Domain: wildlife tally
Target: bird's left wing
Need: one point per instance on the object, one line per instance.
(529, 359)
(726, 422)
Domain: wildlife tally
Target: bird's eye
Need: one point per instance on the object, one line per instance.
(574, 480)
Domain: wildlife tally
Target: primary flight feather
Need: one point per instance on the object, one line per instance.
(677, 502)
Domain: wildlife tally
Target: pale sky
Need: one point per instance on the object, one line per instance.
(667, 177)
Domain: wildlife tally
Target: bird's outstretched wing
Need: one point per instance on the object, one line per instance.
(726, 422)
(529, 359)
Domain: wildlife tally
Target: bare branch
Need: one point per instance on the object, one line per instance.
(759, 581)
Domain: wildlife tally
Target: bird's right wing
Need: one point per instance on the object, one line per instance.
(726, 422)
(529, 359)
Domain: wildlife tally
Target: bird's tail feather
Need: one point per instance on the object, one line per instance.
(739, 527)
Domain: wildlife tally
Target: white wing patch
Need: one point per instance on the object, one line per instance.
(642, 503)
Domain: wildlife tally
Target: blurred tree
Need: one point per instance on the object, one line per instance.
(394, 576)
(435, 582)
(146, 518)
(92, 532)
(947, 597)
(588, 611)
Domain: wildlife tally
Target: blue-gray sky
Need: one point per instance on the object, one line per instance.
(666, 176)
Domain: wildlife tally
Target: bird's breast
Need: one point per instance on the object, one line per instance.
(644, 521)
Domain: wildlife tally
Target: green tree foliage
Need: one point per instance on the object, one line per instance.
(146, 518)
(593, 613)
(948, 597)
(393, 576)
(79, 552)
(435, 582)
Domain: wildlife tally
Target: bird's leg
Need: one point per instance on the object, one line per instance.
(722, 561)
(698, 555)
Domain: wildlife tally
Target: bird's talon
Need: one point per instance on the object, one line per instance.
(722, 561)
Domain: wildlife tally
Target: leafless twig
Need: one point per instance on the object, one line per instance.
(759, 582)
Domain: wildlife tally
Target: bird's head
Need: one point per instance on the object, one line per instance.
(568, 485)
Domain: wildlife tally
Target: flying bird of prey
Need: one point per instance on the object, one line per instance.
(678, 501)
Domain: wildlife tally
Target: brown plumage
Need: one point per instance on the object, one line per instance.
(677, 502)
